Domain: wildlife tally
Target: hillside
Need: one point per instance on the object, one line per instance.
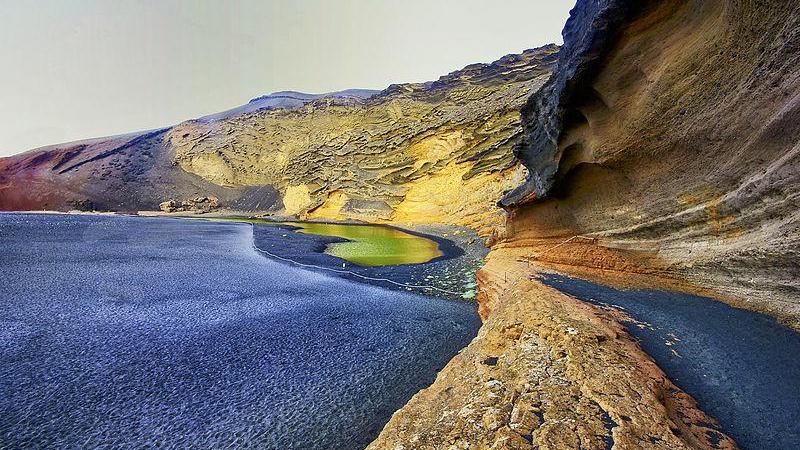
(417, 152)
(662, 154)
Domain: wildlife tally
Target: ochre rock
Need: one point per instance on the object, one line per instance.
(412, 153)
(662, 152)
(547, 371)
(670, 133)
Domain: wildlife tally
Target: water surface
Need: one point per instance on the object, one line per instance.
(368, 245)
(142, 332)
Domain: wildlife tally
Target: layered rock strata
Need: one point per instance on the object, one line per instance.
(669, 133)
(424, 153)
(662, 152)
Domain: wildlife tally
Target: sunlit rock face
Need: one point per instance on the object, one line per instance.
(670, 132)
(666, 143)
(425, 152)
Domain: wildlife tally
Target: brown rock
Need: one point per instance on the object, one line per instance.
(669, 133)
(552, 383)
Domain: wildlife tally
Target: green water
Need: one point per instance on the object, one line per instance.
(367, 245)
(373, 245)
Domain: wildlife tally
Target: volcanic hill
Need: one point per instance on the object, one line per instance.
(425, 152)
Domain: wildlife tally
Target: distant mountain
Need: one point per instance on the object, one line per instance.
(286, 100)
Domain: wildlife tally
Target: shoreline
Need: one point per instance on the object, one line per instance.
(283, 330)
(462, 250)
(514, 303)
(740, 366)
(542, 363)
(448, 274)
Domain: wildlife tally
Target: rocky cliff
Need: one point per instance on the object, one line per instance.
(664, 151)
(670, 135)
(425, 152)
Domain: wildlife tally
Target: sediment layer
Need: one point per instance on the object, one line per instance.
(413, 153)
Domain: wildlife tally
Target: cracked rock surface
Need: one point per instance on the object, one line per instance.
(549, 372)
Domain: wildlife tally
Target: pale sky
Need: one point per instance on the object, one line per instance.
(75, 69)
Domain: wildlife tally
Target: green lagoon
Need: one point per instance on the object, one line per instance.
(367, 245)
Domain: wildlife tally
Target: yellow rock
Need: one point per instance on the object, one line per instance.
(296, 199)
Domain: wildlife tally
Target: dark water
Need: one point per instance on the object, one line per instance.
(454, 271)
(743, 368)
(134, 332)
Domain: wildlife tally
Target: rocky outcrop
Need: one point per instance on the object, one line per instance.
(670, 133)
(412, 153)
(195, 205)
(547, 371)
(82, 205)
(425, 152)
(286, 100)
(663, 152)
(589, 32)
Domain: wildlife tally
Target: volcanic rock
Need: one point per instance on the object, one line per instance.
(664, 149)
(670, 131)
(424, 152)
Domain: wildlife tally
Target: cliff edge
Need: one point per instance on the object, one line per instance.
(669, 135)
(662, 152)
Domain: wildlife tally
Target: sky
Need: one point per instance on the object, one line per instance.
(75, 69)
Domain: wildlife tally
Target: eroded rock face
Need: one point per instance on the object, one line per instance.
(429, 152)
(666, 144)
(589, 32)
(670, 131)
(415, 152)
